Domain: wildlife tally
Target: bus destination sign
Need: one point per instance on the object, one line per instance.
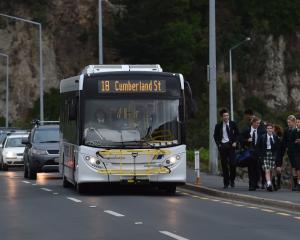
(132, 86)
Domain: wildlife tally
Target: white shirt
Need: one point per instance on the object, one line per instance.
(269, 141)
(251, 133)
(225, 137)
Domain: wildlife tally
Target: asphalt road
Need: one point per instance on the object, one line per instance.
(43, 209)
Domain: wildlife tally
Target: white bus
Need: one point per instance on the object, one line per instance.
(123, 124)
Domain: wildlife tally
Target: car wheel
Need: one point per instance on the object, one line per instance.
(31, 173)
(66, 183)
(4, 167)
(25, 171)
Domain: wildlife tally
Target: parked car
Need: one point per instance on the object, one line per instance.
(42, 150)
(11, 153)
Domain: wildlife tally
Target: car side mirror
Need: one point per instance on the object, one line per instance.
(25, 141)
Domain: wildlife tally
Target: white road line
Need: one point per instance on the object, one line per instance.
(298, 218)
(283, 214)
(172, 235)
(267, 210)
(74, 199)
(25, 182)
(46, 189)
(114, 213)
(239, 205)
(55, 193)
(93, 206)
(227, 202)
(138, 223)
(34, 184)
(252, 207)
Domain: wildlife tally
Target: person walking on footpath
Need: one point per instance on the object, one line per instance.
(225, 135)
(268, 148)
(289, 146)
(296, 140)
(249, 139)
(276, 181)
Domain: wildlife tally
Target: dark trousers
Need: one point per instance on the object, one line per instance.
(227, 155)
(253, 170)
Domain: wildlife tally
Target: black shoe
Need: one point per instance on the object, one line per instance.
(263, 186)
(225, 186)
(232, 184)
(252, 188)
(298, 187)
(269, 188)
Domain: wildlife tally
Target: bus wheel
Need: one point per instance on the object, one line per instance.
(170, 189)
(80, 188)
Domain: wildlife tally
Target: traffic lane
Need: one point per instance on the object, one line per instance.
(190, 216)
(28, 212)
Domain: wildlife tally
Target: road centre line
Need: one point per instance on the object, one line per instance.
(74, 199)
(172, 235)
(298, 218)
(25, 182)
(55, 193)
(93, 206)
(46, 189)
(34, 184)
(283, 214)
(267, 210)
(114, 213)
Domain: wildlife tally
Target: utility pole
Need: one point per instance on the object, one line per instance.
(7, 88)
(213, 154)
(100, 32)
(40, 56)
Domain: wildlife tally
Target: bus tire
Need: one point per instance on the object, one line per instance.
(170, 189)
(80, 188)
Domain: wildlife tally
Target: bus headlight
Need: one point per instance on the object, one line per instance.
(93, 161)
(172, 160)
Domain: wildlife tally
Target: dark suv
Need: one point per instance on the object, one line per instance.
(42, 150)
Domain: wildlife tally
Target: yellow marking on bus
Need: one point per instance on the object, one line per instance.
(137, 172)
(130, 151)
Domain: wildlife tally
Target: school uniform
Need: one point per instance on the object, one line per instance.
(254, 167)
(225, 135)
(288, 144)
(269, 147)
(296, 148)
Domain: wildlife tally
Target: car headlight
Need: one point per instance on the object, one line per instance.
(39, 151)
(10, 155)
(172, 160)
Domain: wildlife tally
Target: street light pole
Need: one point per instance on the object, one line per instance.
(100, 32)
(230, 73)
(7, 88)
(40, 56)
(213, 155)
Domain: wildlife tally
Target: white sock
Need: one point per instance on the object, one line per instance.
(269, 183)
(299, 182)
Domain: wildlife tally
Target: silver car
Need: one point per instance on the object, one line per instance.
(12, 151)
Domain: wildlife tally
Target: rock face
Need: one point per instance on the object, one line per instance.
(70, 42)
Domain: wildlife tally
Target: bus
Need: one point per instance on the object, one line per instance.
(123, 124)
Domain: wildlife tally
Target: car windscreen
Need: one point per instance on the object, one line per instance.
(46, 135)
(14, 142)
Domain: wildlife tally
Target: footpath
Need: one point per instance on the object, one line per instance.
(213, 185)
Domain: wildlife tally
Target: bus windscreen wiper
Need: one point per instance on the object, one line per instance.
(53, 141)
(141, 142)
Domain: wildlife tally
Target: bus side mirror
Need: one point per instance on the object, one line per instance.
(191, 103)
(72, 111)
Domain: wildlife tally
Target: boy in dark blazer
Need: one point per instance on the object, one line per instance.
(225, 135)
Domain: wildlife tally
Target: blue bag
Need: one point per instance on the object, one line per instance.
(242, 158)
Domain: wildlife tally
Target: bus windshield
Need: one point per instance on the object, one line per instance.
(132, 123)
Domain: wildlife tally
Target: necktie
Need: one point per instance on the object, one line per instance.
(271, 142)
(253, 137)
(227, 130)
